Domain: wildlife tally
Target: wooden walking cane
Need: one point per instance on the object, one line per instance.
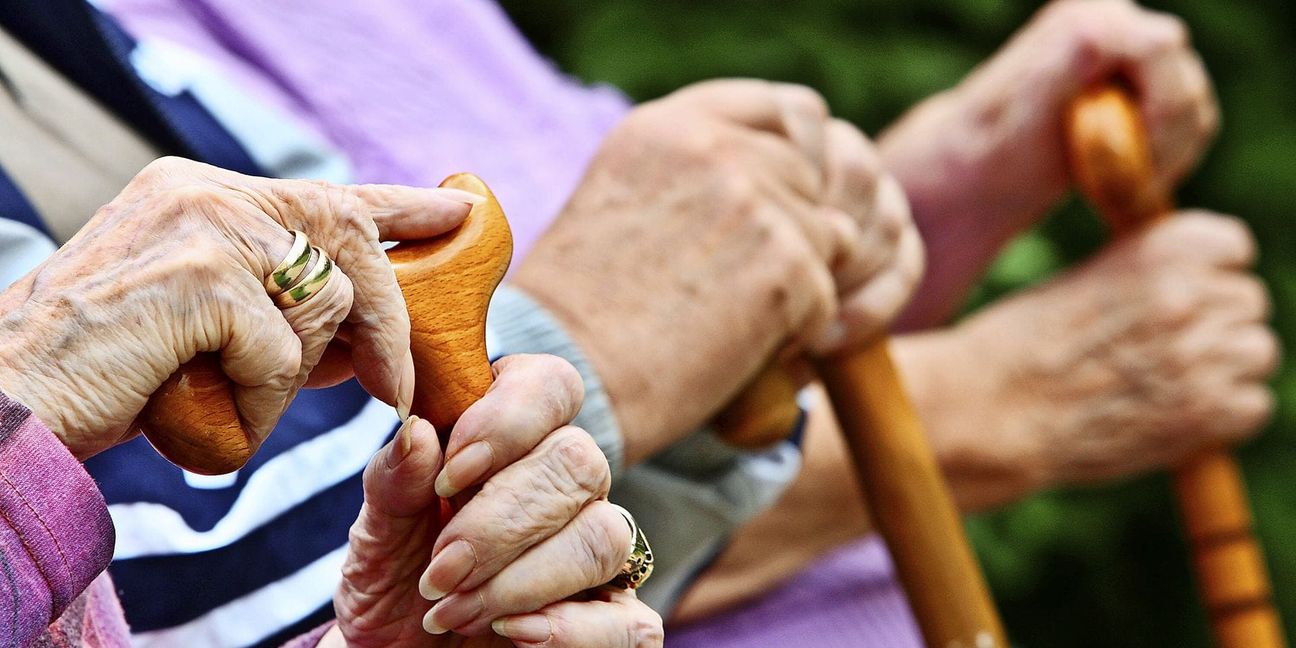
(906, 491)
(1111, 163)
(447, 282)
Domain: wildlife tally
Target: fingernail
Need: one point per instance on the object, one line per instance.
(403, 443)
(454, 611)
(447, 569)
(430, 626)
(405, 390)
(465, 468)
(459, 195)
(524, 627)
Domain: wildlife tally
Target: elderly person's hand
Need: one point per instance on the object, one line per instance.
(1151, 351)
(713, 226)
(525, 555)
(177, 265)
(985, 160)
(1139, 358)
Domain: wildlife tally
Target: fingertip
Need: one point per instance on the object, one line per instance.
(411, 213)
(459, 195)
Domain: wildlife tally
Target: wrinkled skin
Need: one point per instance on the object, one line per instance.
(88, 341)
(525, 549)
(1153, 350)
(1167, 352)
(175, 266)
(1082, 379)
(703, 230)
(986, 159)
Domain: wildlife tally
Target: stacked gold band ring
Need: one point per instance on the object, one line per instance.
(639, 564)
(301, 275)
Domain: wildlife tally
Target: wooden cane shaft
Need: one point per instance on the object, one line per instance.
(1112, 164)
(447, 282)
(911, 503)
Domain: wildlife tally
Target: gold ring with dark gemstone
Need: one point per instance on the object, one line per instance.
(638, 566)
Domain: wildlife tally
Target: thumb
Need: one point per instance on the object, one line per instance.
(400, 478)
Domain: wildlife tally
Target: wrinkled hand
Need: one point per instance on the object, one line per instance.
(713, 226)
(987, 159)
(1005, 118)
(175, 266)
(1149, 352)
(524, 553)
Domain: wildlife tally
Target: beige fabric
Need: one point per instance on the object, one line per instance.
(66, 153)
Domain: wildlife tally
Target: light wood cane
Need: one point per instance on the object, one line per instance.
(1111, 162)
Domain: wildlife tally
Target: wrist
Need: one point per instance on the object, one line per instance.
(961, 385)
(27, 379)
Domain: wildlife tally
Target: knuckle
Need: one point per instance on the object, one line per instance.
(1176, 29)
(861, 165)
(564, 383)
(191, 200)
(604, 543)
(1208, 118)
(804, 100)
(583, 468)
(736, 192)
(1268, 352)
(163, 168)
(1241, 240)
(1174, 300)
(1253, 411)
(892, 221)
(1254, 297)
(647, 630)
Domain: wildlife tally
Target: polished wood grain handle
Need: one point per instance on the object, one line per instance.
(1112, 165)
(447, 281)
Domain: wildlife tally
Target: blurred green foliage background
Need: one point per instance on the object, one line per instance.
(1096, 567)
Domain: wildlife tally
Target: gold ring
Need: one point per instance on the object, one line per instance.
(638, 565)
(291, 268)
(310, 285)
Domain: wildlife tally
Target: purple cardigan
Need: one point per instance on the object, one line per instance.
(55, 543)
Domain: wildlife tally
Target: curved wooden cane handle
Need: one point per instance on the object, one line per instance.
(447, 281)
(1112, 164)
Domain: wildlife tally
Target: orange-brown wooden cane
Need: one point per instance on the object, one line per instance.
(447, 282)
(1112, 165)
(908, 498)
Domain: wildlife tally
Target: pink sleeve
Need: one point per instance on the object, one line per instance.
(56, 537)
(312, 638)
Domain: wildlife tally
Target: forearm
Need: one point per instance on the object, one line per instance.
(956, 382)
(967, 190)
